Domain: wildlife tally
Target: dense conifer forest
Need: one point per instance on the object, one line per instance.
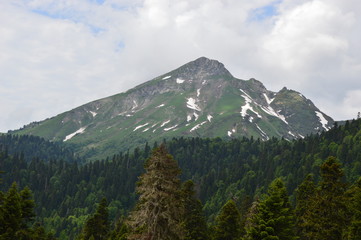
(234, 189)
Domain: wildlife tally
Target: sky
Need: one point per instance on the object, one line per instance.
(56, 55)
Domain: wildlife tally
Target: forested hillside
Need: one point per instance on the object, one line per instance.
(31, 147)
(66, 192)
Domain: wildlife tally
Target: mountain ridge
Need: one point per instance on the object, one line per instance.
(200, 98)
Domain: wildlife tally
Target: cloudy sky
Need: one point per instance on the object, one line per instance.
(58, 54)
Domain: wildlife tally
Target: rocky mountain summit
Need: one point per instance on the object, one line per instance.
(200, 98)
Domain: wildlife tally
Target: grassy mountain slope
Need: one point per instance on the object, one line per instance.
(199, 99)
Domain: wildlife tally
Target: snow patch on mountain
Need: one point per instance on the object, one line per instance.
(164, 123)
(166, 77)
(140, 126)
(198, 92)
(198, 126)
(170, 128)
(189, 118)
(70, 136)
(272, 112)
(162, 105)
(93, 113)
(135, 105)
(269, 101)
(229, 133)
(196, 116)
(191, 103)
(248, 106)
(264, 135)
(323, 120)
(291, 133)
(204, 82)
(180, 81)
(209, 117)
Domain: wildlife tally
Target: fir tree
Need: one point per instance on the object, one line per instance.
(97, 226)
(159, 211)
(121, 230)
(274, 217)
(326, 215)
(304, 193)
(194, 221)
(11, 210)
(354, 230)
(27, 205)
(228, 223)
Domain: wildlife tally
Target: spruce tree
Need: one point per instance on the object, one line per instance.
(354, 230)
(274, 217)
(27, 207)
(11, 213)
(228, 223)
(97, 226)
(194, 221)
(326, 216)
(159, 210)
(304, 194)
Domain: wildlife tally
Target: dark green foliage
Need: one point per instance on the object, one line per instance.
(121, 230)
(228, 223)
(274, 218)
(31, 147)
(304, 194)
(17, 215)
(354, 229)
(326, 214)
(158, 214)
(194, 221)
(97, 226)
(66, 192)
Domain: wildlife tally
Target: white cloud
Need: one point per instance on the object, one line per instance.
(58, 54)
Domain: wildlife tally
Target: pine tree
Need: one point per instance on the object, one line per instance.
(274, 217)
(97, 226)
(159, 211)
(194, 221)
(228, 223)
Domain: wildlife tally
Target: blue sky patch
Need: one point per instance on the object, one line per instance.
(265, 12)
(100, 2)
(55, 15)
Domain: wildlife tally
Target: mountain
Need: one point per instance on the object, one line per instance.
(201, 98)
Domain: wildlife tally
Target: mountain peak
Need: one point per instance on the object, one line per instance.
(201, 98)
(203, 67)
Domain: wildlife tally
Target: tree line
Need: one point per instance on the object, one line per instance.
(67, 192)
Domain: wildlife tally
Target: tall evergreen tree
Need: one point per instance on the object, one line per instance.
(354, 229)
(228, 223)
(326, 215)
(274, 219)
(304, 194)
(97, 226)
(11, 210)
(17, 216)
(194, 221)
(159, 211)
